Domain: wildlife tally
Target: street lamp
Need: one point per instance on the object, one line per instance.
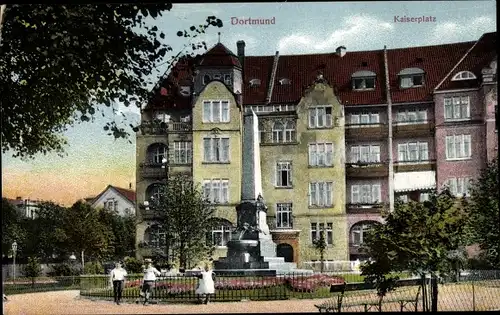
(164, 165)
(14, 251)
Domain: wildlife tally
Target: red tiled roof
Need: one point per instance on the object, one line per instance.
(478, 58)
(218, 56)
(436, 61)
(127, 193)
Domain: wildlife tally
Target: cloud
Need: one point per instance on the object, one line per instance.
(459, 31)
(349, 34)
(186, 11)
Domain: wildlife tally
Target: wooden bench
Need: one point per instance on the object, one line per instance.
(367, 298)
(335, 303)
(407, 297)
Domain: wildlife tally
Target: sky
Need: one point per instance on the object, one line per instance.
(94, 160)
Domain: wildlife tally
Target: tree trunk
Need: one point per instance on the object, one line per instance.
(322, 261)
(434, 292)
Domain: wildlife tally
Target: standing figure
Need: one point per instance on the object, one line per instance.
(117, 277)
(207, 284)
(150, 274)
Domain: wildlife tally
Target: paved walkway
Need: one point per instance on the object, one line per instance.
(69, 302)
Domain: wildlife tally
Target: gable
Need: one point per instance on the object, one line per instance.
(111, 193)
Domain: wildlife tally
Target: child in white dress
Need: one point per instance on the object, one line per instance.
(206, 286)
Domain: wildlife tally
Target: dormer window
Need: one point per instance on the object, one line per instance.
(227, 79)
(363, 80)
(411, 77)
(206, 79)
(254, 82)
(285, 81)
(464, 75)
(185, 90)
(217, 77)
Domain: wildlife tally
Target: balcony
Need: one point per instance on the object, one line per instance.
(161, 128)
(288, 137)
(412, 166)
(353, 208)
(422, 128)
(152, 170)
(367, 169)
(365, 131)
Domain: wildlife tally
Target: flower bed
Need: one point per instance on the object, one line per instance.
(312, 283)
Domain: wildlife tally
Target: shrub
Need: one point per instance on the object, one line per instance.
(33, 269)
(93, 268)
(133, 265)
(64, 270)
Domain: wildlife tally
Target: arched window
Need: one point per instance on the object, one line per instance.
(153, 192)
(359, 232)
(156, 153)
(206, 79)
(220, 234)
(464, 75)
(278, 129)
(155, 236)
(290, 131)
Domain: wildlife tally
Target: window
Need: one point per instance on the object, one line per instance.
(359, 232)
(157, 153)
(254, 83)
(411, 77)
(182, 152)
(320, 117)
(463, 75)
(365, 119)
(413, 151)
(285, 81)
(317, 227)
(216, 149)
(458, 147)
(363, 83)
(156, 236)
(227, 79)
(320, 194)
(411, 116)
(284, 174)
(403, 198)
(215, 111)
(284, 215)
(216, 190)
(221, 234)
(456, 108)
(365, 154)
(321, 154)
(217, 76)
(206, 79)
(365, 194)
(459, 186)
(284, 132)
(153, 192)
(363, 80)
(424, 197)
(111, 205)
(262, 132)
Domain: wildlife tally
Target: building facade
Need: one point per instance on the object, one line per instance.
(117, 199)
(342, 135)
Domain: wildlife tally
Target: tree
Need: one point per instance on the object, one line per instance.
(185, 217)
(320, 245)
(47, 234)
(33, 269)
(87, 235)
(122, 230)
(416, 237)
(12, 228)
(484, 214)
(59, 63)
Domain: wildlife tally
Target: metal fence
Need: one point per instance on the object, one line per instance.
(470, 291)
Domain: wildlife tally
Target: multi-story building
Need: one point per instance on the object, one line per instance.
(342, 135)
(27, 207)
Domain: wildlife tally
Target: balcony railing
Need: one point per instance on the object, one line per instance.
(161, 128)
(420, 165)
(367, 169)
(364, 207)
(278, 138)
(421, 128)
(365, 131)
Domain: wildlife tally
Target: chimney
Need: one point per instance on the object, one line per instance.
(19, 198)
(240, 48)
(341, 51)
